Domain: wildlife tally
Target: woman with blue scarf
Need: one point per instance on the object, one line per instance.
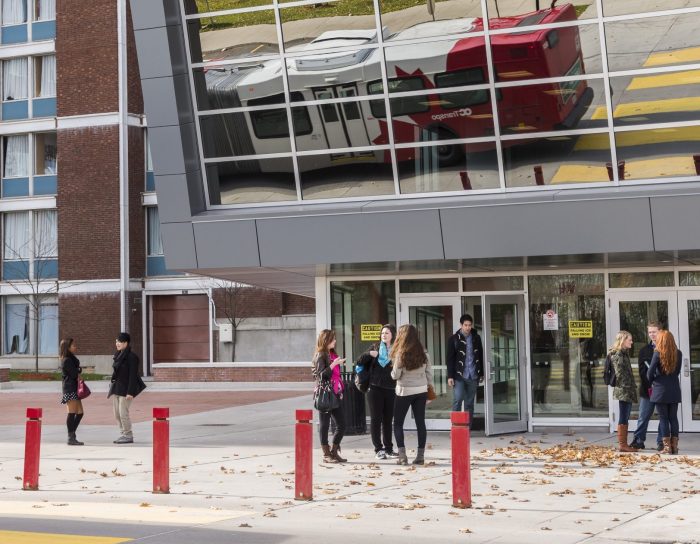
(381, 393)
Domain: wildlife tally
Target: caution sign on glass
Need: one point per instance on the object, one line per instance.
(580, 329)
(370, 332)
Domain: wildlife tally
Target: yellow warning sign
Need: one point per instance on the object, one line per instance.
(580, 329)
(370, 332)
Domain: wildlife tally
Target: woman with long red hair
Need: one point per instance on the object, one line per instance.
(665, 388)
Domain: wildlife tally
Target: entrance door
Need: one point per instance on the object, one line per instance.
(436, 319)
(689, 312)
(631, 312)
(343, 122)
(504, 364)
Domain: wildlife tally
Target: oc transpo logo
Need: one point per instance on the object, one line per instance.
(462, 112)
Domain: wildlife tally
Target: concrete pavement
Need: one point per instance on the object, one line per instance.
(232, 477)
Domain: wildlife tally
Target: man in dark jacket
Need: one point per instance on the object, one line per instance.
(126, 384)
(646, 407)
(465, 365)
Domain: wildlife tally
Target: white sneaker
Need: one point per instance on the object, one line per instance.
(392, 454)
(381, 454)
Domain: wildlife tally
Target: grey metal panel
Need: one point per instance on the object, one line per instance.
(676, 221)
(161, 51)
(178, 245)
(350, 238)
(167, 100)
(174, 149)
(154, 13)
(180, 196)
(226, 244)
(554, 228)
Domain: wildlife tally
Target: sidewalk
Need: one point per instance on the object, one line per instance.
(232, 469)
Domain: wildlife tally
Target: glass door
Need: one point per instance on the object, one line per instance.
(689, 344)
(436, 319)
(504, 364)
(631, 312)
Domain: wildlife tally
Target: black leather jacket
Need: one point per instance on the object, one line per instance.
(456, 353)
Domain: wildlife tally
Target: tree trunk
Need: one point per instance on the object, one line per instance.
(35, 333)
(234, 337)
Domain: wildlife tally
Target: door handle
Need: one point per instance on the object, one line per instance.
(686, 367)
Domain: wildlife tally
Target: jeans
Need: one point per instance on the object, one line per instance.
(401, 406)
(120, 406)
(668, 418)
(646, 410)
(625, 411)
(381, 412)
(324, 419)
(465, 391)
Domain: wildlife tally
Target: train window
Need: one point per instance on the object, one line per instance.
(404, 105)
(273, 123)
(462, 99)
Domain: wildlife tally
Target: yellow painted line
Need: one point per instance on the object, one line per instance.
(690, 54)
(651, 107)
(580, 173)
(649, 168)
(17, 537)
(688, 77)
(642, 137)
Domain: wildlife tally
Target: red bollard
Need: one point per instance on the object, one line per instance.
(461, 461)
(466, 182)
(620, 170)
(161, 450)
(32, 447)
(303, 456)
(696, 162)
(539, 175)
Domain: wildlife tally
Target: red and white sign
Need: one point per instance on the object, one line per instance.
(550, 320)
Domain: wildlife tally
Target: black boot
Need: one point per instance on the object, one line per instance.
(78, 417)
(72, 441)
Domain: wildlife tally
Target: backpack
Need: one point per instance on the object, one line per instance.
(609, 377)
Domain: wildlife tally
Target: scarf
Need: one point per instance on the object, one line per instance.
(383, 357)
(119, 358)
(336, 379)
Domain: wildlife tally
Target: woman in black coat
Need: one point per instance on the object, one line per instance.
(663, 375)
(70, 370)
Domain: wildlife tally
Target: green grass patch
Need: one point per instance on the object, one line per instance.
(580, 9)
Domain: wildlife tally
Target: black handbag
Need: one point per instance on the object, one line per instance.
(325, 399)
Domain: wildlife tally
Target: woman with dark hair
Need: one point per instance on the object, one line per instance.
(382, 392)
(665, 388)
(413, 375)
(70, 370)
(326, 366)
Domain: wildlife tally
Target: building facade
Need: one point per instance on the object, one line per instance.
(82, 253)
(533, 165)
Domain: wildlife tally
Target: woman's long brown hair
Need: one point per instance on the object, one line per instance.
(407, 349)
(668, 352)
(325, 337)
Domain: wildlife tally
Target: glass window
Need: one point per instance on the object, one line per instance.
(45, 234)
(557, 160)
(205, 6)
(495, 283)
(567, 372)
(411, 20)
(689, 279)
(14, 12)
(448, 167)
(16, 156)
(619, 280)
(44, 10)
(405, 105)
(502, 14)
(17, 236)
(48, 329)
(356, 303)
(470, 76)
(45, 76)
(155, 244)
(439, 285)
(16, 328)
(244, 182)
(15, 75)
(45, 153)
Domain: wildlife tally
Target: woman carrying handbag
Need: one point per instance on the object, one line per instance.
(328, 393)
(70, 370)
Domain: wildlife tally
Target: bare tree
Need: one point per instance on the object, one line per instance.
(232, 300)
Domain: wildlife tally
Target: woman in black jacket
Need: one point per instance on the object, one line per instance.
(70, 370)
(126, 384)
(666, 389)
(381, 393)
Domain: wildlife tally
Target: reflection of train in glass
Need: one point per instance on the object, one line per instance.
(442, 114)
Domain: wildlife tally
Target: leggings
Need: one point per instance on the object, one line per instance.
(401, 406)
(381, 411)
(668, 418)
(325, 422)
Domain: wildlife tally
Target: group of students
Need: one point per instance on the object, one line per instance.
(124, 386)
(399, 378)
(659, 388)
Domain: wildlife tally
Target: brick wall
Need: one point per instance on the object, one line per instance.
(86, 57)
(92, 319)
(4, 375)
(259, 302)
(238, 374)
